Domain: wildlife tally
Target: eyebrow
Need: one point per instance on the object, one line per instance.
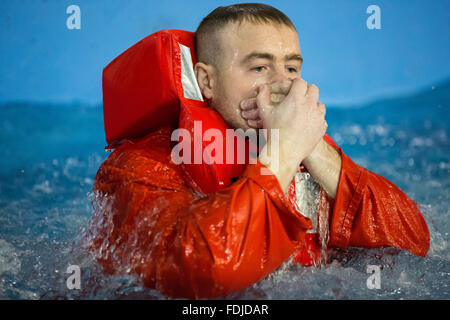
(269, 56)
(294, 56)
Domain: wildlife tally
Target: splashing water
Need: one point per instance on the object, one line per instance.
(52, 154)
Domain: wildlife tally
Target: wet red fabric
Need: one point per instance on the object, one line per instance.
(187, 230)
(190, 246)
(142, 87)
(370, 211)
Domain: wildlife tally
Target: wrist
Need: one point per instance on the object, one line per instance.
(281, 164)
(315, 154)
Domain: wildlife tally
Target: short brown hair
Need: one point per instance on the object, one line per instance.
(206, 44)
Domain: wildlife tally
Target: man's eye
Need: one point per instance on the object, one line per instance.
(293, 70)
(259, 69)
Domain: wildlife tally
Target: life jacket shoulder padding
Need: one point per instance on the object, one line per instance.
(152, 84)
(142, 87)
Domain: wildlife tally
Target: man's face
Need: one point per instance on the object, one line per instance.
(252, 55)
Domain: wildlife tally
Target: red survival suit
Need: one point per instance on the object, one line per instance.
(206, 230)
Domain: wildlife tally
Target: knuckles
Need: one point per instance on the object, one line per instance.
(313, 92)
(322, 107)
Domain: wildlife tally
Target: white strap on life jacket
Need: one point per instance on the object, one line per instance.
(188, 79)
(307, 197)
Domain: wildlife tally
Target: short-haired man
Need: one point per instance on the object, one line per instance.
(249, 71)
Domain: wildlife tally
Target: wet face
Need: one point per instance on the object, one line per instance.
(252, 55)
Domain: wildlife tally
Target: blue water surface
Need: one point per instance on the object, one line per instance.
(50, 155)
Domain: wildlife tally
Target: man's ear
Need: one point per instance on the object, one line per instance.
(206, 80)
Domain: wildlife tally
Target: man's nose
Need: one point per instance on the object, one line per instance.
(282, 74)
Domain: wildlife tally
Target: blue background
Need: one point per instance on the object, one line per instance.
(43, 61)
(397, 81)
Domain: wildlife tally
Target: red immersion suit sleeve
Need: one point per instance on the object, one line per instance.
(188, 246)
(370, 211)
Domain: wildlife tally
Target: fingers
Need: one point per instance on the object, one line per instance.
(248, 104)
(322, 111)
(249, 111)
(263, 101)
(302, 89)
(321, 107)
(299, 87)
(257, 124)
(252, 114)
(312, 92)
(325, 127)
(263, 97)
(253, 110)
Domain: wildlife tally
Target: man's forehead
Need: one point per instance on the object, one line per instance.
(250, 37)
(244, 28)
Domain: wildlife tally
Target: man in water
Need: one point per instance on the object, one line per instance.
(237, 63)
(249, 71)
